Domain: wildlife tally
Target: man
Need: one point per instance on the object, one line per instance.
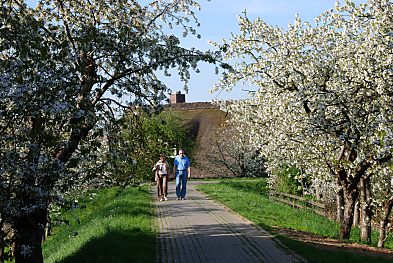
(182, 170)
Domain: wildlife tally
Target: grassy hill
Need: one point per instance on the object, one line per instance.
(203, 119)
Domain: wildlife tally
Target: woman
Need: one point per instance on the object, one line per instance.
(162, 178)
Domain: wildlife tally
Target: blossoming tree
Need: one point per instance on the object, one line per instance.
(324, 100)
(59, 63)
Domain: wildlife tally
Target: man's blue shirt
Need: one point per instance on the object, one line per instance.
(182, 164)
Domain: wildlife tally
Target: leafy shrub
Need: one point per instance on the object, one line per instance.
(136, 147)
(285, 180)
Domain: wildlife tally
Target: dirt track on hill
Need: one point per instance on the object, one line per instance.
(203, 124)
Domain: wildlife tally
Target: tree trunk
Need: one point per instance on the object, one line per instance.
(387, 208)
(28, 238)
(8, 236)
(351, 196)
(366, 211)
(356, 214)
(2, 237)
(48, 226)
(340, 205)
(382, 233)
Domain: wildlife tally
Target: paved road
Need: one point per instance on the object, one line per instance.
(200, 230)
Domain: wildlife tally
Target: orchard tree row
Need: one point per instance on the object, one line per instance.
(65, 68)
(323, 104)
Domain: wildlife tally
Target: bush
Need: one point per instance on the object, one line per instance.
(136, 145)
(285, 180)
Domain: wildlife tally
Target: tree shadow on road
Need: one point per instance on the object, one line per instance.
(116, 246)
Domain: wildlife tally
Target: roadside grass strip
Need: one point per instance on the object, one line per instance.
(249, 198)
(115, 226)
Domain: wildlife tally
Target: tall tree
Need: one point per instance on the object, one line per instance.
(324, 102)
(59, 63)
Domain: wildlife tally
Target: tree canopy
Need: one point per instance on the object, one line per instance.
(324, 99)
(63, 63)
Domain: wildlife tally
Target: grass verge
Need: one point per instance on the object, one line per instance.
(116, 226)
(249, 199)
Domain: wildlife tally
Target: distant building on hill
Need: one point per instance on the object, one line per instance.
(177, 97)
(177, 101)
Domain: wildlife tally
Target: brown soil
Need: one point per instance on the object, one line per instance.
(203, 123)
(334, 244)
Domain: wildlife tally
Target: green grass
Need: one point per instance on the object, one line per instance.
(116, 226)
(249, 198)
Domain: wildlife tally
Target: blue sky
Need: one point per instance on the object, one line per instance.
(218, 20)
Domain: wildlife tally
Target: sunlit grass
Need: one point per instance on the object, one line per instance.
(250, 199)
(117, 226)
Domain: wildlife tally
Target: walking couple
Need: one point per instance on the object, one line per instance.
(182, 171)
